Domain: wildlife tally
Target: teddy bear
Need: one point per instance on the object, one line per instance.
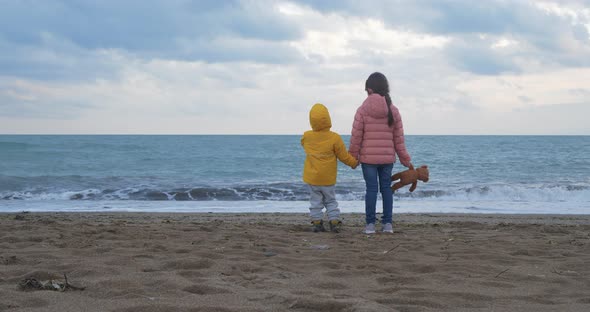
(410, 176)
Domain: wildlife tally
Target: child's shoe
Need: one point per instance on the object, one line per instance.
(387, 228)
(318, 226)
(369, 228)
(335, 226)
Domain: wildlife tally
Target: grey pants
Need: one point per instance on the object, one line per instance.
(320, 197)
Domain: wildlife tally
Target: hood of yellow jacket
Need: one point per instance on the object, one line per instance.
(319, 118)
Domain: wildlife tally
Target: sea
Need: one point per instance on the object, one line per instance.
(263, 174)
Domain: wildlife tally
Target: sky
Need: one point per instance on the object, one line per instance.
(257, 67)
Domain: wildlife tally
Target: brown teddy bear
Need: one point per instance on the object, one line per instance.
(410, 176)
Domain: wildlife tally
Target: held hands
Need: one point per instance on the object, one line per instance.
(355, 165)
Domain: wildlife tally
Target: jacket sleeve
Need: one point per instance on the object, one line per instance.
(342, 154)
(398, 139)
(356, 138)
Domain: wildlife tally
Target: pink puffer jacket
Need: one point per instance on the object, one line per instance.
(373, 141)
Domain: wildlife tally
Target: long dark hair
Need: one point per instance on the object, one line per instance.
(378, 83)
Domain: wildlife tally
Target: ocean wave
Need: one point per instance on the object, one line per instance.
(18, 146)
(182, 194)
(299, 192)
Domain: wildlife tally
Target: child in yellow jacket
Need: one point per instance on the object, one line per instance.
(322, 148)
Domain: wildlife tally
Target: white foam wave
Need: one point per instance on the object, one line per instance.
(574, 193)
(506, 192)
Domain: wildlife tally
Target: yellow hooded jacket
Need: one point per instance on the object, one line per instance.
(322, 148)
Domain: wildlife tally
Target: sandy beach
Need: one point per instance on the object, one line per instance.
(127, 262)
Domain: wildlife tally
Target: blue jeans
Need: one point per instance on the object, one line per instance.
(378, 177)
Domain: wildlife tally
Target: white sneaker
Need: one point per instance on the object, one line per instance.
(370, 228)
(387, 228)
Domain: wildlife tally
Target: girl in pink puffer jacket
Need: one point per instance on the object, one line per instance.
(377, 135)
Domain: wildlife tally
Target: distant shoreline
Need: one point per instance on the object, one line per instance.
(253, 134)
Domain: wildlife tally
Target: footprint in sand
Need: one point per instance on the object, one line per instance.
(205, 290)
(319, 305)
(497, 284)
(34, 303)
(409, 302)
(150, 308)
(330, 285)
(188, 265)
(423, 269)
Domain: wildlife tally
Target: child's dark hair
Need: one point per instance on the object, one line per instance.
(378, 83)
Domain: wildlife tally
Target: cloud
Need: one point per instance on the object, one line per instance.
(475, 55)
(68, 39)
(55, 58)
(20, 98)
(63, 36)
(549, 33)
(257, 66)
(143, 26)
(505, 93)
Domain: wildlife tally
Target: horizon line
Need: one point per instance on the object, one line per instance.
(259, 134)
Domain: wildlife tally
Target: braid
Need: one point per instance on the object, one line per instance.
(389, 113)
